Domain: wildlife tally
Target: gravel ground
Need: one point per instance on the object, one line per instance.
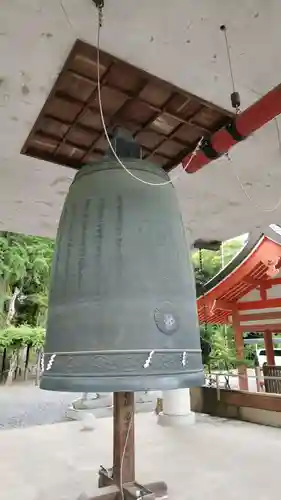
(24, 405)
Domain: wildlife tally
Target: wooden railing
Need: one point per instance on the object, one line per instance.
(272, 385)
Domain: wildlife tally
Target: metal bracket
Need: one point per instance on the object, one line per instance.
(231, 128)
(99, 3)
(208, 150)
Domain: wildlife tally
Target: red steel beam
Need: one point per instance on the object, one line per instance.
(250, 120)
(272, 327)
(259, 304)
(260, 316)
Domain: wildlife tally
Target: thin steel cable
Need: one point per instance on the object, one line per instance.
(66, 16)
(157, 184)
(194, 152)
(229, 59)
(235, 97)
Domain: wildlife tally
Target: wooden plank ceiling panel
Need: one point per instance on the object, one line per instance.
(165, 120)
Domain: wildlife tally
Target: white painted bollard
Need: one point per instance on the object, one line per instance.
(176, 408)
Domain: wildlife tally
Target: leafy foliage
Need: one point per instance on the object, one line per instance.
(25, 263)
(217, 342)
(224, 357)
(212, 261)
(24, 335)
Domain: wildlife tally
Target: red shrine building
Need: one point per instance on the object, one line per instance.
(246, 294)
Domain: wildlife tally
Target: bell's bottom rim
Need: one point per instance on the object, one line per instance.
(122, 383)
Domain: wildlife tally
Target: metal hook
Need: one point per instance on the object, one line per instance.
(99, 4)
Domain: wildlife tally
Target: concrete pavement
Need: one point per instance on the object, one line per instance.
(215, 459)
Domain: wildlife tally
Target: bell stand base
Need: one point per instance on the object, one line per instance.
(119, 481)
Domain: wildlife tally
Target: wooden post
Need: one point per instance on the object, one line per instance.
(124, 438)
(2, 377)
(38, 366)
(122, 474)
(269, 349)
(26, 362)
(239, 343)
(258, 378)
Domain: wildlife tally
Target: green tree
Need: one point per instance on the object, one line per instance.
(212, 261)
(217, 342)
(25, 263)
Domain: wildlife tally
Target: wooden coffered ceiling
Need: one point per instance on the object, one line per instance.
(166, 121)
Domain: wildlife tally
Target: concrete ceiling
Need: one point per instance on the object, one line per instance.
(177, 41)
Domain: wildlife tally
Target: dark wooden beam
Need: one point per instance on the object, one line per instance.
(201, 244)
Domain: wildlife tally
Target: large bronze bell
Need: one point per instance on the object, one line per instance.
(122, 309)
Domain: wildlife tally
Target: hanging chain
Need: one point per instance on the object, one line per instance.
(100, 9)
(100, 6)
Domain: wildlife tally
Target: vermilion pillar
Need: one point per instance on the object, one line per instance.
(239, 343)
(269, 349)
